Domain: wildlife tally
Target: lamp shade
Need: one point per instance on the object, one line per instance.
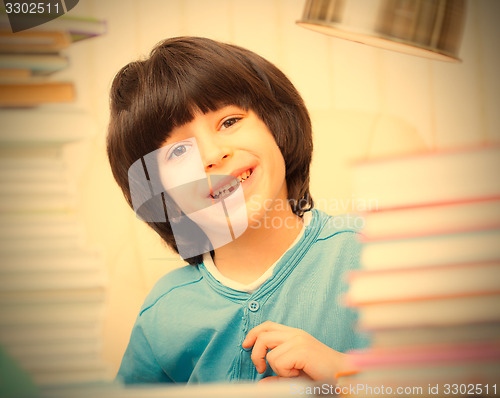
(427, 28)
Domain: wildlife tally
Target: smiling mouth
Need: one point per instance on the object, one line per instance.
(229, 188)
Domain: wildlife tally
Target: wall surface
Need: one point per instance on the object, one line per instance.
(364, 102)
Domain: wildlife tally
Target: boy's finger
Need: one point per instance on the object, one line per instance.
(284, 361)
(265, 341)
(267, 326)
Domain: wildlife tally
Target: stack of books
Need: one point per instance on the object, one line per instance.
(52, 285)
(428, 291)
(30, 60)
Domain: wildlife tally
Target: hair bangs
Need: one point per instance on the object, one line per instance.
(185, 87)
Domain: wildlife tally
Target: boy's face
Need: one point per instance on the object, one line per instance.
(237, 152)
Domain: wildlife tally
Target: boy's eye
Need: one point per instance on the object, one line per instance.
(178, 151)
(229, 122)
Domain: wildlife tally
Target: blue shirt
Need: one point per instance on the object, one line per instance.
(191, 327)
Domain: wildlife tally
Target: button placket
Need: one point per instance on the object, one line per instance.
(252, 314)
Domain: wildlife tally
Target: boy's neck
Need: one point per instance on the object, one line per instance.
(248, 257)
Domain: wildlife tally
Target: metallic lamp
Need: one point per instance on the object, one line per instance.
(427, 28)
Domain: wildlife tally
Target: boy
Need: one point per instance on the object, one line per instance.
(265, 301)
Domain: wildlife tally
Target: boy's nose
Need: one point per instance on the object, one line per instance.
(213, 154)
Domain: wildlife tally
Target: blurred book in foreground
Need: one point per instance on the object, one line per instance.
(428, 290)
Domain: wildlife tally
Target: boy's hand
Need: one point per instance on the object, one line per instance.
(293, 352)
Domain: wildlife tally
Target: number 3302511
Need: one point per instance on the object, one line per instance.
(31, 8)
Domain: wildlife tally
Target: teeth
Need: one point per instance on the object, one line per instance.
(229, 188)
(243, 176)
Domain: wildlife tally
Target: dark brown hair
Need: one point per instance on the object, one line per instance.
(184, 75)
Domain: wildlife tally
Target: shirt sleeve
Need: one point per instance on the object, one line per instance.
(139, 363)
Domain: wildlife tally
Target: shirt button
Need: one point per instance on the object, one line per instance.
(253, 306)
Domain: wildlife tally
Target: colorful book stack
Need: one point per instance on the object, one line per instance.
(429, 288)
(30, 59)
(52, 286)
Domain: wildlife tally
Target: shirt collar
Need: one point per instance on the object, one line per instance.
(251, 287)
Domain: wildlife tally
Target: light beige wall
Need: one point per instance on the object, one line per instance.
(363, 102)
